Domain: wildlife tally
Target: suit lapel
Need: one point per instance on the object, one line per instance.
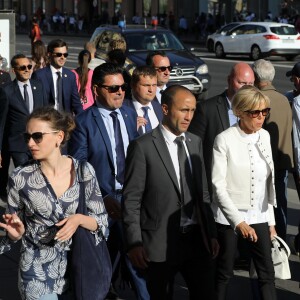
(162, 149)
(37, 100)
(223, 111)
(19, 96)
(158, 110)
(50, 79)
(102, 129)
(127, 124)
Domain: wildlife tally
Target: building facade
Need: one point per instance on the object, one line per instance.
(99, 10)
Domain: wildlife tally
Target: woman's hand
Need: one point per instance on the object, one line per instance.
(272, 232)
(14, 226)
(69, 226)
(247, 232)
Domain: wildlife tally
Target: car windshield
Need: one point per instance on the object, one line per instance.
(284, 30)
(152, 41)
(226, 28)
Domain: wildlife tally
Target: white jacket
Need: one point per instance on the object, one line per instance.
(233, 176)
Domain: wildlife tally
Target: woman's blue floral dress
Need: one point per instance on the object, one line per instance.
(43, 261)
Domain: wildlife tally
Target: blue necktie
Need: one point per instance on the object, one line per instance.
(59, 92)
(148, 126)
(120, 155)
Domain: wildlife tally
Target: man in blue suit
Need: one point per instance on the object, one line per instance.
(59, 83)
(143, 88)
(101, 137)
(17, 100)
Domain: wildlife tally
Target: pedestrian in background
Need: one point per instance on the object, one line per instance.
(279, 125)
(243, 191)
(35, 32)
(84, 79)
(42, 210)
(39, 55)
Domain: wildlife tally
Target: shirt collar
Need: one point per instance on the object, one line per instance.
(105, 112)
(54, 71)
(138, 105)
(169, 136)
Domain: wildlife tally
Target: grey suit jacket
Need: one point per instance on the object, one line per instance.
(210, 119)
(151, 207)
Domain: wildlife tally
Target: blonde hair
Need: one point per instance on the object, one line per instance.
(248, 97)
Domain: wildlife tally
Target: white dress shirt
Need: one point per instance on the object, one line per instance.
(151, 113)
(29, 91)
(54, 76)
(158, 92)
(172, 147)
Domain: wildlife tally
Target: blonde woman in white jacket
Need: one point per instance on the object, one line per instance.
(244, 193)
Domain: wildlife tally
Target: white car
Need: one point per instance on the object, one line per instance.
(210, 41)
(258, 40)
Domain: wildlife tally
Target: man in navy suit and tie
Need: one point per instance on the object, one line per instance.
(101, 137)
(17, 100)
(161, 63)
(59, 83)
(143, 88)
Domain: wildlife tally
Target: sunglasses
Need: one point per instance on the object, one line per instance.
(163, 69)
(23, 68)
(114, 88)
(255, 113)
(36, 136)
(58, 54)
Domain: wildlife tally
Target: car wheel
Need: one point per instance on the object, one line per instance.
(255, 53)
(219, 51)
(210, 46)
(290, 57)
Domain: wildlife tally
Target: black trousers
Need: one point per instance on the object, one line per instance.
(197, 271)
(260, 253)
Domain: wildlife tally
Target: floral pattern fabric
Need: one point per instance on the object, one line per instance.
(43, 261)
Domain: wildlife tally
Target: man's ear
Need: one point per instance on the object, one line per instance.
(165, 109)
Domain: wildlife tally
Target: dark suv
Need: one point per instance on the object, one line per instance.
(188, 69)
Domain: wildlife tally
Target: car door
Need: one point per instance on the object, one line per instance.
(236, 39)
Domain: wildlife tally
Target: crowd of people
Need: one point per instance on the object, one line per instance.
(172, 185)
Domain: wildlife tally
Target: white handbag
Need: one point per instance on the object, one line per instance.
(280, 256)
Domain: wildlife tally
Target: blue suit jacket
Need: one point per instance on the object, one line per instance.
(90, 141)
(155, 104)
(71, 99)
(14, 113)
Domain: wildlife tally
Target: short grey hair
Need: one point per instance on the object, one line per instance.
(263, 70)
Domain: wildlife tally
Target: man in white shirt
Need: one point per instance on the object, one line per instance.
(161, 63)
(143, 89)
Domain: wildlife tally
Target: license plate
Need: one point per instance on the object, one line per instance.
(288, 41)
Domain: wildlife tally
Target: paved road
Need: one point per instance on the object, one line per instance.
(239, 288)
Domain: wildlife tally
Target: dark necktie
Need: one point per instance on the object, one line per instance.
(26, 96)
(186, 178)
(148, 126)
(59, 91)
(120, 155)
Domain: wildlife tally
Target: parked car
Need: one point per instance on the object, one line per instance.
(210, 41)
(188, 69)
(258, 40)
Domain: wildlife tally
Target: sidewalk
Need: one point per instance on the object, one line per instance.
(239, 286)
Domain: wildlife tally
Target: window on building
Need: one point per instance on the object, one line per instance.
(147, 8)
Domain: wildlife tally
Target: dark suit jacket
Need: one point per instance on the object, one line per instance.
(90, 141)
(14, 113)
(155, 104)
(210, 119)
(151, 208)
(71, 99)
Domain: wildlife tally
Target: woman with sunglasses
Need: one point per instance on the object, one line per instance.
(243, 191)
(43, 196)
